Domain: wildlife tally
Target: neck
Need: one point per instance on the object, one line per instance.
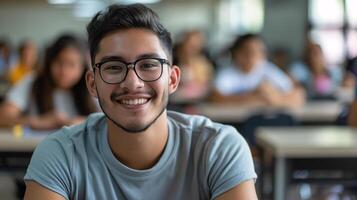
(139, 150)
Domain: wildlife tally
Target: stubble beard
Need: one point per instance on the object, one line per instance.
(134, 129)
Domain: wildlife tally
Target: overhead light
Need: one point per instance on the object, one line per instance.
(61, 1)
(88, 8)
(136, 1)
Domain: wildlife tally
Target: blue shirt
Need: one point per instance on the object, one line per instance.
(300, 72)
(201, 160)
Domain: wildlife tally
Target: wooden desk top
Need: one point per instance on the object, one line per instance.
(316, 111)
(9, 142)
(305, 142)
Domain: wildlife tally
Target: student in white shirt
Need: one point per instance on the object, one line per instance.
(252, 79)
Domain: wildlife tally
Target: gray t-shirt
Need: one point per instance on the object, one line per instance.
(201, 160)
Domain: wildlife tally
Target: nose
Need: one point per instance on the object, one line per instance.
(132, 81)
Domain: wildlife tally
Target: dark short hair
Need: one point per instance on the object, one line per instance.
(241, 40)
(121, 17)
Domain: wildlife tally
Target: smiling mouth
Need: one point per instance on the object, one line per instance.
(133, 102)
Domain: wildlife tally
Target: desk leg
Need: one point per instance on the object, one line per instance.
(280, 179)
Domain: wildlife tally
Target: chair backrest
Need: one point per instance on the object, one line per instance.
(255, 121)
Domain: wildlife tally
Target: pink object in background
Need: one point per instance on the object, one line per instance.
(322, 84)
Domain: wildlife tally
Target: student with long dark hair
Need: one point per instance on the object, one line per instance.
(57, 95)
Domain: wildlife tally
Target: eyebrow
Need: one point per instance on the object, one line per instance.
(148, 55)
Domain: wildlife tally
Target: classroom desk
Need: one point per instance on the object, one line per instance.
(15, 151)
(315, 148)
(314, 112)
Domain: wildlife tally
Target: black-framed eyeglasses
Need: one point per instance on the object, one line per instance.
(147, 69)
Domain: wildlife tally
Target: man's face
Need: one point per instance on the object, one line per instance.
(250, 54)
(133, 105)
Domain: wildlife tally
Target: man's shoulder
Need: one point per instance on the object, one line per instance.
(270, 69)
(197, 124)
(269, 66)
(188, 120)
(70, 134)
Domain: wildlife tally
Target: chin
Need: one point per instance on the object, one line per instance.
(131, 127)
(135, 126)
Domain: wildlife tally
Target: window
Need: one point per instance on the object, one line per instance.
(351, 6)
(241, 16)
(333, 25)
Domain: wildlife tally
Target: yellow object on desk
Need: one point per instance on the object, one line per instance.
(18, 131)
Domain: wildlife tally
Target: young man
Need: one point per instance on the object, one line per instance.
(137, 149)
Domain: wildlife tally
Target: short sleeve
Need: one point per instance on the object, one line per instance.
(50, 166)
(278, 78)
(20, 93)
(229, 162)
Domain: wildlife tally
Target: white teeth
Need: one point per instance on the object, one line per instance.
(133, 101)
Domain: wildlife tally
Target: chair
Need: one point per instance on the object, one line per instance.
(255, 121)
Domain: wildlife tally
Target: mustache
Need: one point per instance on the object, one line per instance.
(116, 95)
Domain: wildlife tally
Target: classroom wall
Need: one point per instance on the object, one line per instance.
(42, 22)
(284, 22)
(36, 20)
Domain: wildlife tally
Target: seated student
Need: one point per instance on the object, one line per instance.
(319, 79)
(136, 149)
(26, 62)
(57, 96)
(251, 79)
(196, 68)
(350, 76)
(281, 57)
(6, 57)
(352, 117)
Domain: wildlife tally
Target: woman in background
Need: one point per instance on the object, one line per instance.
(197, 69)
(57, 95)
(320, 80)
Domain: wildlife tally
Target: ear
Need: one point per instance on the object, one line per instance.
(174, 78)
(90, 81)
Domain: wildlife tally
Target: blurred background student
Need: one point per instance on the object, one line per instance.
(352, 117)
(252, 79)
(27, 61)
(57, 95)
(320, 79)
(350, 76)
(196, 67)
(6, 57)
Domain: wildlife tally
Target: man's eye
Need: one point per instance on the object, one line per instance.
(148, 66)
(113, 68)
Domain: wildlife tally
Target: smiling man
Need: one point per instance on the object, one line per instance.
(136, 149)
